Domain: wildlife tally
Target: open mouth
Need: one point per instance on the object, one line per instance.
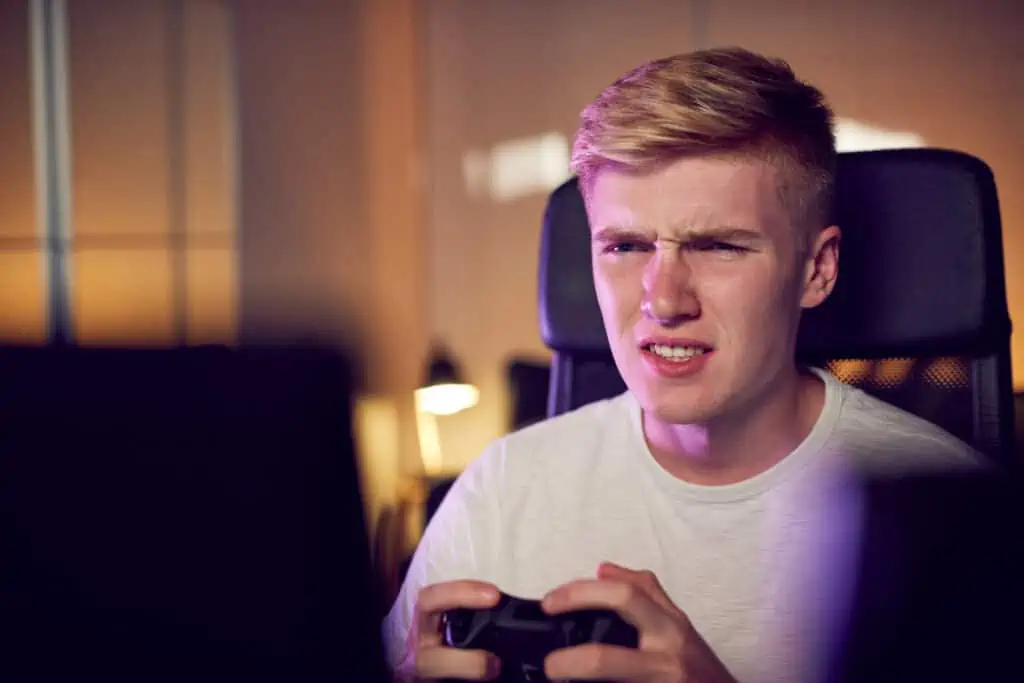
(676, 352)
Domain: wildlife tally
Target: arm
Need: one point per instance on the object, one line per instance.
(460, 542)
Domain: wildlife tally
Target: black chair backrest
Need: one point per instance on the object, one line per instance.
(918, 317)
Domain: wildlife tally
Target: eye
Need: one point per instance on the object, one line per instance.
(715, 246)
(624, 247)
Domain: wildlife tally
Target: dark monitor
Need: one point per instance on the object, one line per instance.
(940, 588)
(182, 515)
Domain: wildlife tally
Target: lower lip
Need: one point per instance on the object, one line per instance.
(675, 369)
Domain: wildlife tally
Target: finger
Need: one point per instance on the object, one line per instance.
(629, 600)
(601, 662)
(436, 598)
(435, 663)
(647, 580)
(610, 568)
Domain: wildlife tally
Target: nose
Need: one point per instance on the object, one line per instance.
(669, 297)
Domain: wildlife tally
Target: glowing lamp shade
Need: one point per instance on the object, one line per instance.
(444, 392)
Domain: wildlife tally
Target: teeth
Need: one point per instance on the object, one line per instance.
(676, 352)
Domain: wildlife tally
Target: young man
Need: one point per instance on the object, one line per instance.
(707, 503)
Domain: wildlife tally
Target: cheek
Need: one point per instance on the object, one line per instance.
(748, 301)
(619, 293)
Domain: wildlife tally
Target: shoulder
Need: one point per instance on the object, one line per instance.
(589, 423)
(551, 448)
(885, 438)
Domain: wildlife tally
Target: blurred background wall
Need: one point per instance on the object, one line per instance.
(372, 173)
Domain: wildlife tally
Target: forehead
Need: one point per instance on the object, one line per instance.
(689, 194)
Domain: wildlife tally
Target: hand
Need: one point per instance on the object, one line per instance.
(426, 656)
(670, 649)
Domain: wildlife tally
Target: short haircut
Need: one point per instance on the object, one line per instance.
(726, 102)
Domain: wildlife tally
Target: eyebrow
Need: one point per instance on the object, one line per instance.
(724, 233)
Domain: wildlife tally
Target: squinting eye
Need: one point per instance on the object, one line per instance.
(623, 247)
(724, 247)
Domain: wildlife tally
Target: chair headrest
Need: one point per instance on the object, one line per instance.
(921, 263)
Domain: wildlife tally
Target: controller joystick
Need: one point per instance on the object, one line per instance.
(521, 634)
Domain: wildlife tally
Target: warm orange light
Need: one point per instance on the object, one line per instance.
(446, 399)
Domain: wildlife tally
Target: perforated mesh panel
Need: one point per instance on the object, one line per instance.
(893, 373)
(950, 373)
(936, 389)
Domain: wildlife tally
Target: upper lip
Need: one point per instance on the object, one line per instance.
(674, 341)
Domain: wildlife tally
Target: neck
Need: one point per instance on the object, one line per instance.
(733, 449)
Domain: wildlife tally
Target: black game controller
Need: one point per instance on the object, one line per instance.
(521, 634)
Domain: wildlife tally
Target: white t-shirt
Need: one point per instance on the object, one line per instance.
(761, 567)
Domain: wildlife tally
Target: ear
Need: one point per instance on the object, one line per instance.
(821, 267)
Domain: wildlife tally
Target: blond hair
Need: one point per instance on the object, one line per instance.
(720, 102)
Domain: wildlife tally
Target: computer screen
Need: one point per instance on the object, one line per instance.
(187, 514)
(939, 593)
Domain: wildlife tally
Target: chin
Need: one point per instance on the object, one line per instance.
(680, 415)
